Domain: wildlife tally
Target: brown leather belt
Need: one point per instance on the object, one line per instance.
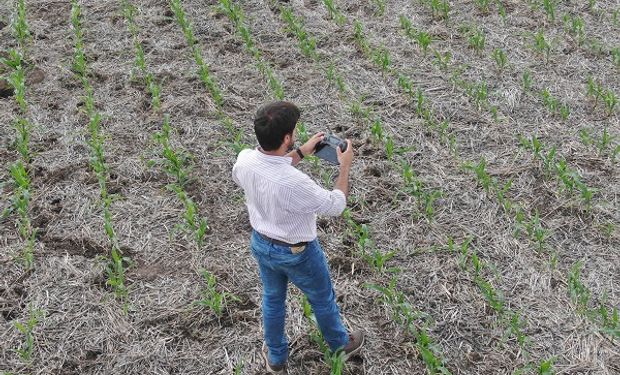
(281, 243)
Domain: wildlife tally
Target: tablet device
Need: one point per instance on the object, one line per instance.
(326, 149)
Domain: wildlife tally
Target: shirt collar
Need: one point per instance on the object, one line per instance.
(273, 158)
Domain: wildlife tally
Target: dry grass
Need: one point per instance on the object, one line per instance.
(85, 331)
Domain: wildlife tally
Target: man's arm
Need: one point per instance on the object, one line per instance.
(295, 156)
(307, 148)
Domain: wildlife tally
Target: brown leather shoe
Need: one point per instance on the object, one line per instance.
(356, 340)
(274, 369)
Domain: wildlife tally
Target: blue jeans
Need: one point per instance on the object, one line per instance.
(309, 272)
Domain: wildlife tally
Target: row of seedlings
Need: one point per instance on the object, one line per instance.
(529, 224)
(20, 170)
(593, 308)
(175, 161)
(414, 185)
(511, 321)
(402, 311)
(575, 27)
(237, 135)
(237, 18)
(235, 15)
(480, 93)
(380, 56)
(211, 297)
(115, 268)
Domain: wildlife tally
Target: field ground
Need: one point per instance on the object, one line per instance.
(507, 303)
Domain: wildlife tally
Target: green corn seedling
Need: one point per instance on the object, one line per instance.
(389, 147)
(501, 196)
(536, 232)
(213, 299)
(579, 293)
(378, 260)
(428, 203)
(440, 8)
(307, 44)
(442, 60)
(476, 263)
(20, 25)
(434, 363)
(480, 93)
(482, 175)
(380, 4)
(477, 40)
(175, 163)
(615, 56)
(377, 130)
(501, 9)
(336, 78)
(334, 13)
(22, 139)
(542, 45)
(360, 38)
(203, 69)
(17, 79)
(594, 90)
(407, 26)
(575, 26)
(483, 5)
(545, 367)
(500, 58)
(549, 7)
(406, 84)
(27, 329)
(21, 202)
(611, 100)
(239, 367)
(381, 57)
(516, 329)
(424, 40)
(492, 296)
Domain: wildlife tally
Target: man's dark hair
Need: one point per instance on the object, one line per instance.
(273, 121)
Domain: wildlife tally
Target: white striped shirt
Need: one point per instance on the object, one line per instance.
(282, 201)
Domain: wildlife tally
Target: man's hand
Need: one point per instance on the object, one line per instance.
(345, 158)
(309, 147)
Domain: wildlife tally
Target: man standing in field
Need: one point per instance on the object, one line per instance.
(283, 203)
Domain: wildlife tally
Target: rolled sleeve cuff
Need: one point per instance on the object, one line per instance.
(336, 204)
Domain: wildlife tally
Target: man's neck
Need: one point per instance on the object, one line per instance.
(279, 152)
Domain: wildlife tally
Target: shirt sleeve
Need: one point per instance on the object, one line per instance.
(308, 197)
(235, 168)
